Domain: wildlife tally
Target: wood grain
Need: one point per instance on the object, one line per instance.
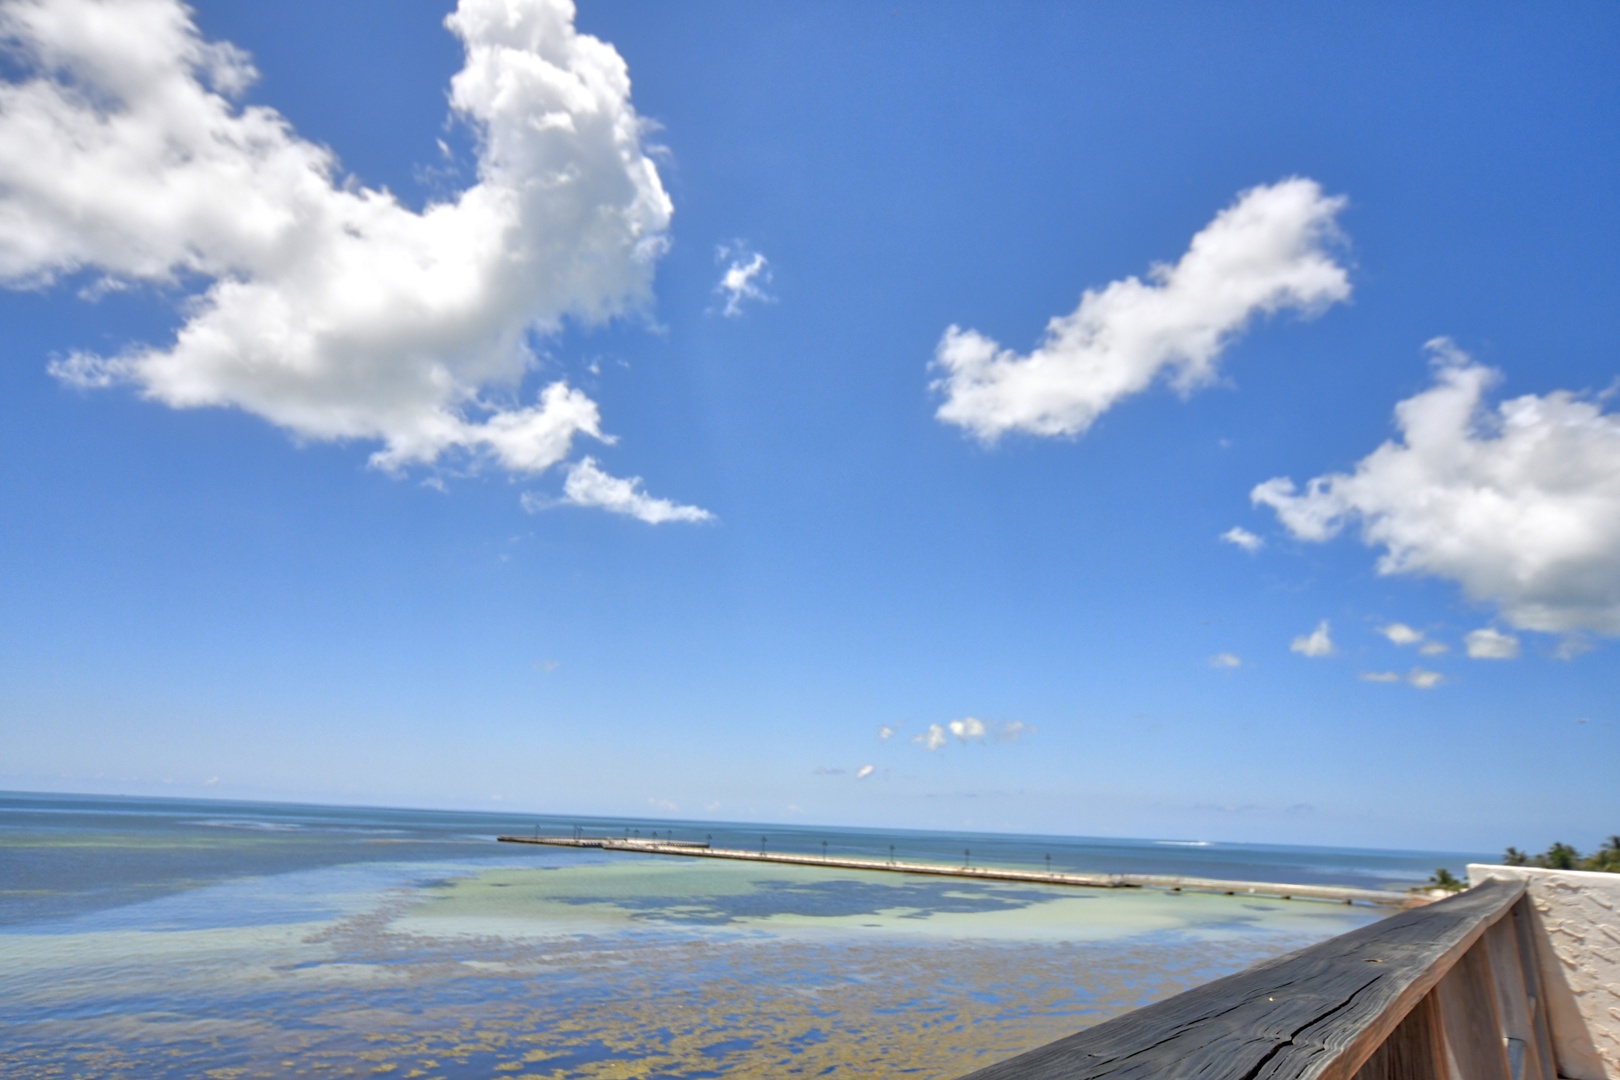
(1415, 1050)
(1513, 997)
(1318, 1013)
(1466, 998)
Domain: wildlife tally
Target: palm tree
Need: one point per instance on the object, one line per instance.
(1444, 879)
(1607, 857)
(1560, 856)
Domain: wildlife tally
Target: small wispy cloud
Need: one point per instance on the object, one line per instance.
(1243, 538)
(885, 732)
(1012, 730)
(1318, 642)
(1488, 643)
(864, 771)
(1225, 660)
(1401, 634)
(589, 485)
(1571, 647)
(747, 273)
(971, 729)
(1423, 679)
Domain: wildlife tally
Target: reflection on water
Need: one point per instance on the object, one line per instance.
(345, 943)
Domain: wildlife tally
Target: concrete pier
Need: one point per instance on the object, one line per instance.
(691, 849)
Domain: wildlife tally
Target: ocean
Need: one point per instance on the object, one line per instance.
(196, 938)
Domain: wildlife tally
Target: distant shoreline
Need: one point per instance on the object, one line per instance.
(1172, 883)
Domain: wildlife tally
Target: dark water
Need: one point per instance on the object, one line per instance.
(179, 938)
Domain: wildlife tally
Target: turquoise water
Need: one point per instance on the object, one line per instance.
(174, 938)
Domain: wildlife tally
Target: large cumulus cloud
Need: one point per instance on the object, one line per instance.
(1519, 504)
(320, 304)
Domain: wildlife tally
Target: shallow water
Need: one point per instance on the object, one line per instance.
(169, 939)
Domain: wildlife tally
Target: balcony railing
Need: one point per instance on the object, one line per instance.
(1449, 991)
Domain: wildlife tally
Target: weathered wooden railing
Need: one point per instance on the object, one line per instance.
(1450, 991)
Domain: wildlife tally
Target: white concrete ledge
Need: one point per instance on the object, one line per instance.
(1578, 944)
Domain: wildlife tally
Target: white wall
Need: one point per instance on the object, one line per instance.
(1578, 917)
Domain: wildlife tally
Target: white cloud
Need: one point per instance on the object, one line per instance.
(1424, 680)
(971, 729)
(1318, 642)
(1401, 634)
(1225, 660)
(1571, 647)
(1265, 253)
(746, 274)
(328, 307)
(1243, 538)
(885, 732)
(967, 728)
(588, 485)
(1488, 643)
(1418, 677)
(1013, 730)
(1519, 505)
(864, 771)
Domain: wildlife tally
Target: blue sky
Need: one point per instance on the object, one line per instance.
(284, 513)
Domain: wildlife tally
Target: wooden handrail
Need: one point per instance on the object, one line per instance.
(1364, 1004)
